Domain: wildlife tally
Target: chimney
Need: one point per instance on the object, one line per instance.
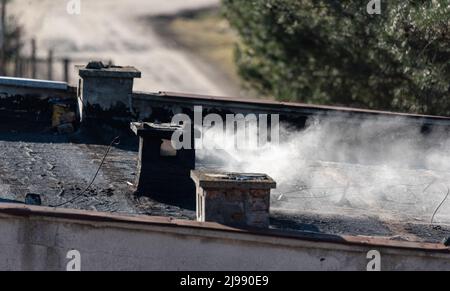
(163, 172)
(105, 89)
(241, 200)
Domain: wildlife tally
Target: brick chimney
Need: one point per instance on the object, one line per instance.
(163, 172)
(105, 89)
(234, 199)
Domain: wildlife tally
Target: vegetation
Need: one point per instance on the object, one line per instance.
(208, 35)
(334, 52)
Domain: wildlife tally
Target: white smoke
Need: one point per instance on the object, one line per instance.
(384, 166)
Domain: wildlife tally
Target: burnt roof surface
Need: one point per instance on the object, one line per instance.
(59, 167)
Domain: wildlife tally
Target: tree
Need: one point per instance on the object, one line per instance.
(334, 52)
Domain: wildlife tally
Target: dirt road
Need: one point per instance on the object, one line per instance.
(117, 30)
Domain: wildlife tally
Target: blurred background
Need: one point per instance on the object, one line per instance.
(322, 52)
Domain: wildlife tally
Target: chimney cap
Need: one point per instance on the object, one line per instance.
(99, 70)
(163, 130)
(232, 180)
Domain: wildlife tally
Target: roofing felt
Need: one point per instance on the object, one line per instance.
(59, 167)
(59, 170)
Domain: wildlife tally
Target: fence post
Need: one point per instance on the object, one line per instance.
(18, 55)
(33, 59)
(17, 66)
(50, 65)
(3, 38)
(66, 64)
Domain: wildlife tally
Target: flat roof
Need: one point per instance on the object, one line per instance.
(59, 167)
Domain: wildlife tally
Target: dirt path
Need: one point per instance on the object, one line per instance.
(115, 29)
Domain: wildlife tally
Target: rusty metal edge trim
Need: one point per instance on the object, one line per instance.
(281, 104)
(90, 216)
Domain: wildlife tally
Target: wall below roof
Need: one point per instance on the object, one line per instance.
(34, 238)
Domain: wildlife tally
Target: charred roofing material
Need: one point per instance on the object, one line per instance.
(58, 167)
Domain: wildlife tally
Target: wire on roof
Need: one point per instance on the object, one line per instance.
(440, 205)
(115, 141)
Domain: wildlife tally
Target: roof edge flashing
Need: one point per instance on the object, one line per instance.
(33, 83)
(282, 105)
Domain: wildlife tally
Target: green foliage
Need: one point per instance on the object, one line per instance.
(334, 52)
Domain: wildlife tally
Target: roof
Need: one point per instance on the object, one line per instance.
(59, 167)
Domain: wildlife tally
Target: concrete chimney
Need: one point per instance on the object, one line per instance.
(104, 89)
(241, 200)
(163, 172)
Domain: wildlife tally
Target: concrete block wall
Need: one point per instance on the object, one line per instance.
(238, 207)
(39, 239)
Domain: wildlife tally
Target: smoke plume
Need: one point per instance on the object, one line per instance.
(387, 167)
